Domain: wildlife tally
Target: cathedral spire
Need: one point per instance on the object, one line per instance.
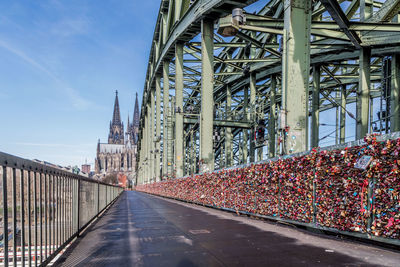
(116, 135)
(136, 115)
(116, 115)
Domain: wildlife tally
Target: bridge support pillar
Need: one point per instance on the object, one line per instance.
(158, 129)
(253, 113)
(148, 128)
(192, 153)
(245, 141)
(170, 131)
(207, 98)
(364, 84)
(145, 148)
(395, 95)
(315, 106)
(228, 130)
(295, 73)
(343, 114)
(179, 152)
(165, 116)
(272, 118)
(151, 136)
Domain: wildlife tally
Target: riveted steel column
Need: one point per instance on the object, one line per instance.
(151, 137)
(295, 73)
(158, 128)
(179, 152)
(337, 124)
(165, 115)
(315, 106)
(364, 84)
(207, 99)
(143, 149)
(395, 95)
(253, 109)
(272, 118)
(245, 131)
(170, 131)
(194, 149)
(343, 114)
(177, 9)
(366, 9)
(164, 27)
(228, 130)
(192, 152)
(146, 147)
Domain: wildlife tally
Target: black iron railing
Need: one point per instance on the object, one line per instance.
(43, 208)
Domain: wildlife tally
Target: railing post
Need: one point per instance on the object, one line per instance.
(5, 216)
(29, 218)
(14, 214)
(45, 213)
(36, 213)
(41, 213)
(22, 214)
(78, 206)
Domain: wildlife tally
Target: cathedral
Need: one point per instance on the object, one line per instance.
(119, 153)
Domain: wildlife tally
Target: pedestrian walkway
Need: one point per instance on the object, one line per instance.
(144, 230)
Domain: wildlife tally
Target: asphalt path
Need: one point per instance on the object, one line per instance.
(145, 230)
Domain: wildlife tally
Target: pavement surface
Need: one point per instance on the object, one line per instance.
(145, 230)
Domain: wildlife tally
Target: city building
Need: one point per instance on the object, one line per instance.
(119, 154)
(86, 168)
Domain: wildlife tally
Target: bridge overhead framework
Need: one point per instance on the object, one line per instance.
(229, 82)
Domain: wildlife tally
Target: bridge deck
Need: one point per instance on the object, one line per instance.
(143, 230)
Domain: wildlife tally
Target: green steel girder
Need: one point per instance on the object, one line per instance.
(221, 123)
(330, 47)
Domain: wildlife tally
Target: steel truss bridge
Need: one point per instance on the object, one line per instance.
(230, 82)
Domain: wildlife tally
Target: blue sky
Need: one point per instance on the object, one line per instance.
(61, 62)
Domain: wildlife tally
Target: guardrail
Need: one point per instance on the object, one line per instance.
(326, 189)
(42, 209)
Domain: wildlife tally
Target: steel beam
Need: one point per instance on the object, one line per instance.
(343, 114)
(272, 118)
(365, 9)
(192, 152)
(336, 12)
(220, 123)
(245, 132)
(151, 137)
(364, 84)
(165, 116)
(228, 130)
(146, 151)
(395, 94)
(337, 122)
(179, 151)
(207, 99)
(158, 129)
(315, 106)
(170, 131)
(389, 9)
(295, 73)
(252, 108)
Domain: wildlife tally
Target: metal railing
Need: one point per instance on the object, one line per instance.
(42, 209)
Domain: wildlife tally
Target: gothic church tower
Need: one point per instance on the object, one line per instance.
(116, 135)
